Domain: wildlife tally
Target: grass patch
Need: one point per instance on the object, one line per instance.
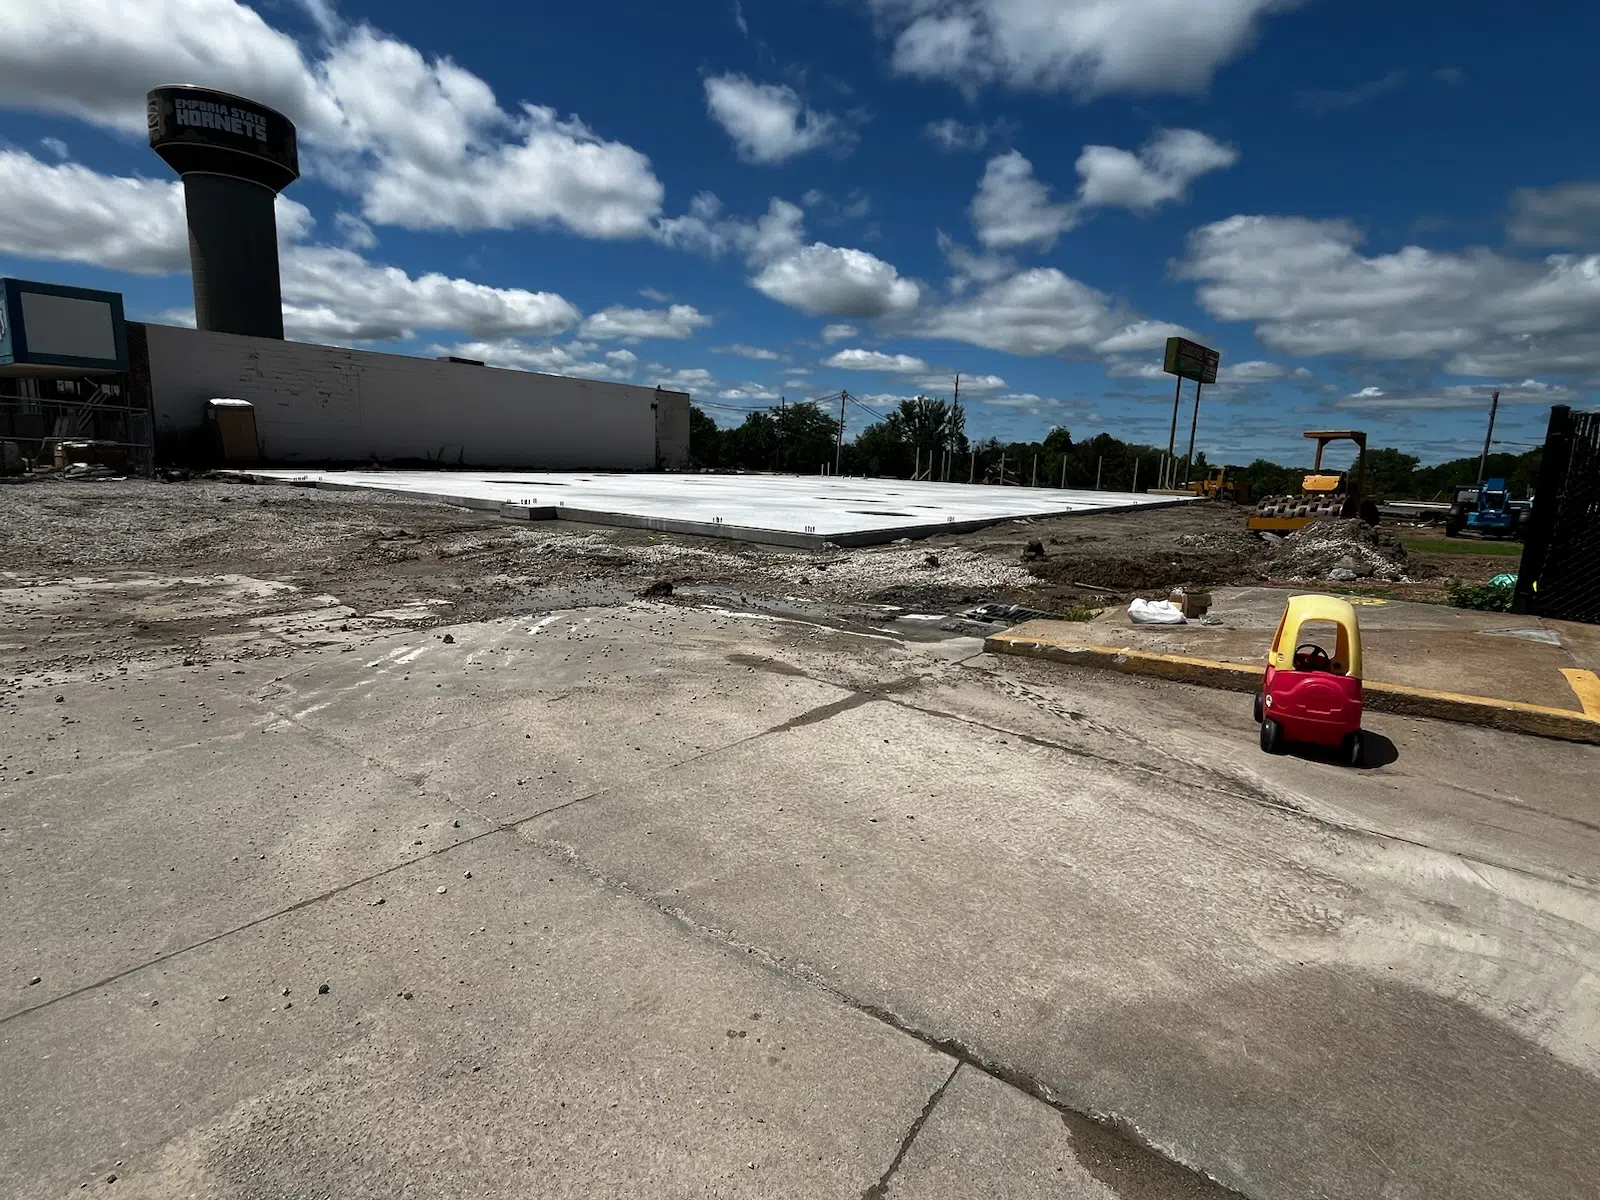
(1473, 546)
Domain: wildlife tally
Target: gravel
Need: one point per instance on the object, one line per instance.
(1340, 550)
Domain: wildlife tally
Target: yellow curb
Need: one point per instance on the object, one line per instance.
(1586, 686)
(1512, 716)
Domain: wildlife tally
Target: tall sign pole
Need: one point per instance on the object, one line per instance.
(1193, 425)
(1187, 360)
(1494, 407)
(1172, 434)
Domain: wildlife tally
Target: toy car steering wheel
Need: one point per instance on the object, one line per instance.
(1311, 657)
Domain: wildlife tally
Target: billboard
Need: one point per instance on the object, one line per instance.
(1191, 360)
(45, 327)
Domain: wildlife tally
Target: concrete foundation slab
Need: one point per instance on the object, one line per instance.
(784, 510)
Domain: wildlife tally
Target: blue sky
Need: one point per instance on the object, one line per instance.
(1379, 213)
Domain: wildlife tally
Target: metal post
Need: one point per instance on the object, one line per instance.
(1063, 471)
(1002, 467)
(1547, 491)
(838, 448)
(1098, 463)
(1189, 457)
(1135, 486)
(916, 463)
(1494, 407)
(1172, 434)
(972, 469)
(1035, 470)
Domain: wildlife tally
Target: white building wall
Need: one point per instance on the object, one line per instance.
(326, 404)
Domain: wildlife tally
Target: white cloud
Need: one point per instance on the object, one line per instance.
(336, 293)
(1013, 209)
(1040, 311)
(1160, 172)
(1141, 335)
(323, 15)
(1309, 290)
(800, 384)
(819, 279)
(423, 143)
(875, 360)
(748, 391)
(1090, 47)
(631, 324)
(838, 332)
(951, 135)
(547, 359)
(704, 229)
(56, 146)
(682, 379)
(1471, 396)
(760, 353)
(827, 281)
(1565, 215)
(944, 383)
(650, 293)
(96, 59)
(66, 212)
(357, 234)
(1326, 100)
(1252, 371)
(768, 122)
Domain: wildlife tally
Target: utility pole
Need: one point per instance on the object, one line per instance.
(972, 468)
(838, 446)
(778, 453)
(1494, 407)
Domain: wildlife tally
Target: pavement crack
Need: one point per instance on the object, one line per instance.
(795, 971)
(880, 1190)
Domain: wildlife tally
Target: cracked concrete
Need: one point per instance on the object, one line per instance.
(664, 902)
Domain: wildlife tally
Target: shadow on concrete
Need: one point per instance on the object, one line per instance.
(1380, 752)
(1323, 1081)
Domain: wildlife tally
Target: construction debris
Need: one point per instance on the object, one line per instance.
(1340, 550)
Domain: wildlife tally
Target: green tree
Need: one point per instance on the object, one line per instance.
(806, 437)
(705, 439)
(1390, 473)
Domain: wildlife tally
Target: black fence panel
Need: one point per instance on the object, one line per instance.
(1560, 571)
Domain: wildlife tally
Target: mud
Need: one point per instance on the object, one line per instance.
(209, 568)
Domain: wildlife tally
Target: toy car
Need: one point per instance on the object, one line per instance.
(1307, 694)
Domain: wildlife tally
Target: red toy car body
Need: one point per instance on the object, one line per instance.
(1308, 694)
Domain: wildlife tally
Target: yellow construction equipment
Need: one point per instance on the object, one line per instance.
(1218, 486)
(1323, 494)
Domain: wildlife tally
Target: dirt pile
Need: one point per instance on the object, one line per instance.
(1341, 550)
(1157, 559)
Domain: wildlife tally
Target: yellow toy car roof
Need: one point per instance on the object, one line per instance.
(1301, 609)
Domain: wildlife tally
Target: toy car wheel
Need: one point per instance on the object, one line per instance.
(1259, 714)
(1272, 737)
(1355, 749)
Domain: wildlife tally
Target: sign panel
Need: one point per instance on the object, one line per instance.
(200, 129)
(44, 325)
(1191, 360)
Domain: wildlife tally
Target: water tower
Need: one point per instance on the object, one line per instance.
(234, 157)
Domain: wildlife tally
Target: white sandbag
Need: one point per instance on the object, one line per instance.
(1156, 612)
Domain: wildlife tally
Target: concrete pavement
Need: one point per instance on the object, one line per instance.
(757, 908)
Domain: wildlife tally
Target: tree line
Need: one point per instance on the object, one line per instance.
(928, 437)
